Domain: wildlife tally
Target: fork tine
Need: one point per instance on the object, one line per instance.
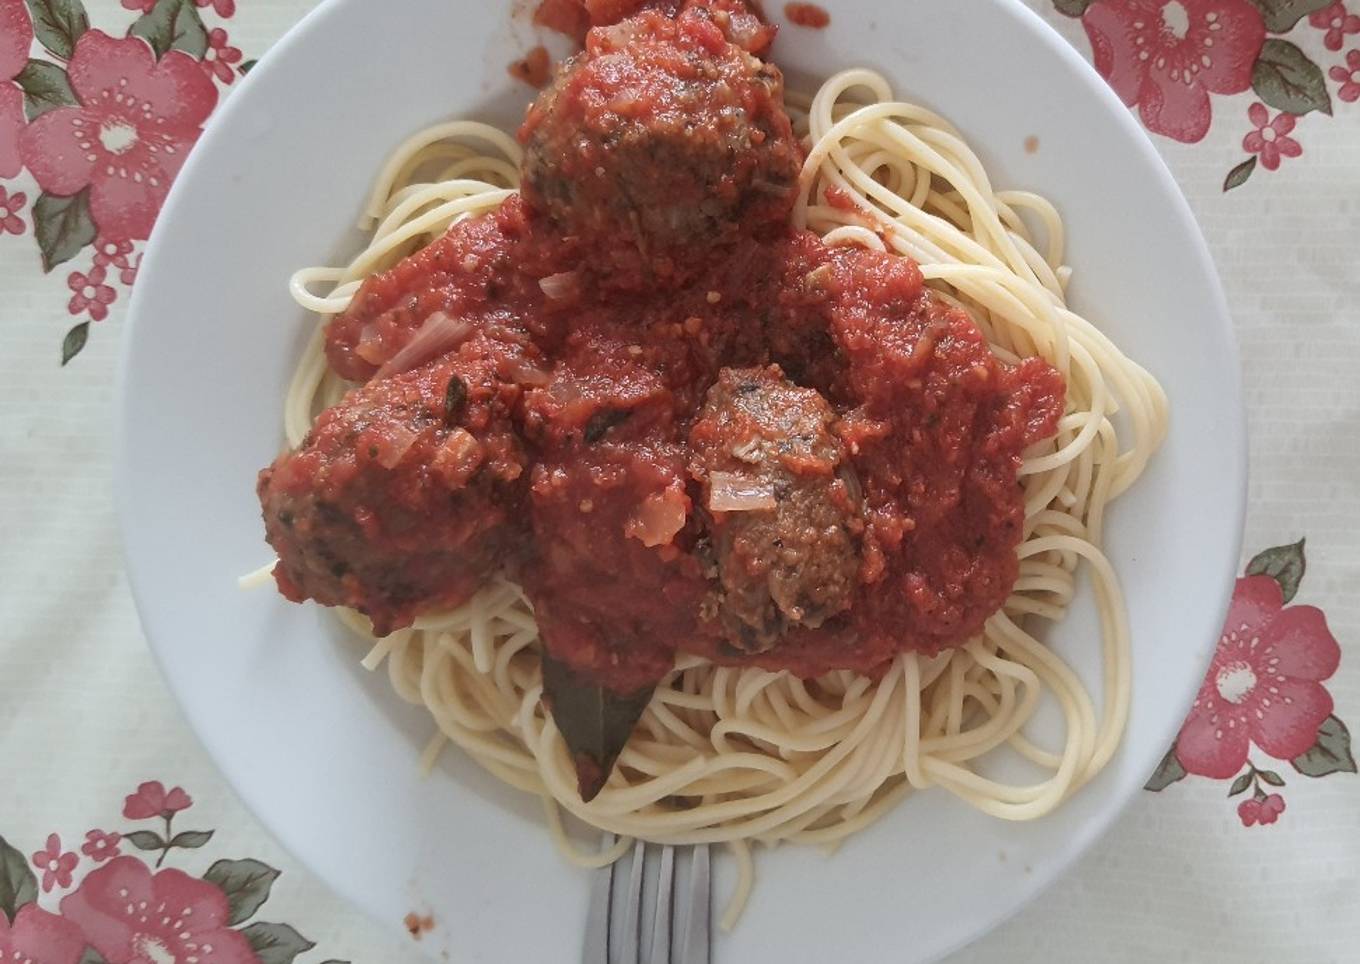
(632, 907)
(694, 941)
(596, 949)
(661, 928)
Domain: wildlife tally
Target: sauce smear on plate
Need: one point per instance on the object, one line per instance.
(807, 15)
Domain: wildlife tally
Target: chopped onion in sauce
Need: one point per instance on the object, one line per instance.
(749, 450)
(397, 441)
(728, 492)
(560, 286)
(523, 373)
(369, 346)
(660, 517)
(438, 336)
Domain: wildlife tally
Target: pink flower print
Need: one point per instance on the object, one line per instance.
(223, 8)
(40, 937)
(89, 293)
(128, 138)
(129, 274)
(10, 206)
(1168, 56)
(151, 800)
(100, 846)
(142, 5)
(110, 252)
(132, 917)
(1348, 77)
(1264, 685)
(219, 57)
(1270, 139)
(1337, 21)
(1263, 810)
(16, 35)
(12, 125)
(56, 866)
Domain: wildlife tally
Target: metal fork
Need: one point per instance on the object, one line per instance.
(615, 929)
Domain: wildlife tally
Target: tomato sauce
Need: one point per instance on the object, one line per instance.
(741, 20)
(581, 460)
(535, 69)
(807, 15)
(933, 425)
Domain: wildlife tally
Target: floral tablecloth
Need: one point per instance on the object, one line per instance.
(120, 843)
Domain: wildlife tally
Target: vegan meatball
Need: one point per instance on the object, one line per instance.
(663, 135)
(783, 504)
(397, 501)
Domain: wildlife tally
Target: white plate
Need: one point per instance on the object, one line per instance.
(326, 755)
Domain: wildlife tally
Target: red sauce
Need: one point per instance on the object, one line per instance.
(741, 20)
(933, 424)
(807, 15)
(564, 16)
(574, 451)
(417, 925)
(535, 69)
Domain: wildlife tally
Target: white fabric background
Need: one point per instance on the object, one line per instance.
(85, 717)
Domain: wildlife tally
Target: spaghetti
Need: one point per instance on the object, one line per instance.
(736, 755)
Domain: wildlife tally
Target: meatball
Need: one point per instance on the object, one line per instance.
(783, 504)
(399, 499)
(663, 137)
